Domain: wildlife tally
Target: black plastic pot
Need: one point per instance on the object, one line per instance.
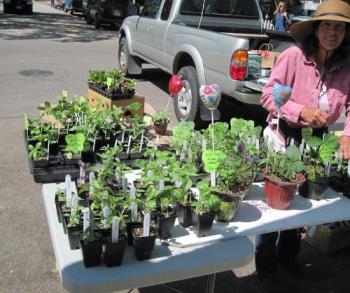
(144, 245)
(314, 189)
(40, 163)
(114, 252)
(229, 205)
(136, 155)
(336, 181)
(165, 224)
(91, 252)
(72, 162)
(202, 223)
(184, 214)
(74, 236)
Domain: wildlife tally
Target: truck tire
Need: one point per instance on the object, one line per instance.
(123, 55)
(186, 102)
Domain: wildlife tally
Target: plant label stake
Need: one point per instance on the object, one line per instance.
(123, 134)
(117, 175)
(161, 184)
(48, 149)
(116, 142)
(68, 181)
(86, 218)
(26, 124)
(348, 172)
(125, 183)
(212, 161)
(302, 147)
(129, 144)
(340, 162)
(280, 94)
(94, 144)
(257, 143)
(141, 142)
(91, 180)
(146, 223)
(115, 229)
(328, 169)
(204, 145)
(106, 212)
(75, 200)
(212, 179)
(149, 173)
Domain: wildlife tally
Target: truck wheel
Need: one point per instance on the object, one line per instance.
(123, 55)
(186, 102)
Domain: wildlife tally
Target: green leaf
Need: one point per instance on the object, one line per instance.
(326, 153)
(237, 125)
(306, 133)
(187, 124)
(293, 153)
(314, 141)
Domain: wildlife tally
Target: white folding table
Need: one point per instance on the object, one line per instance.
(167, 264)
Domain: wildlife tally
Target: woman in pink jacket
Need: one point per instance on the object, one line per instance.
(318, 72)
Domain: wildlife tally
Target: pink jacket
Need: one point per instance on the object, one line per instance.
(295, 70)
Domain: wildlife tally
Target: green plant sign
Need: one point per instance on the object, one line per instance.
(181, 133)
(134, 106)
(75, 142)
(212, 160)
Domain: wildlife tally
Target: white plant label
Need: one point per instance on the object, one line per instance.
(141, 142)
(68, 190)
(106, 212)
(161, 184)
(149, 173)
(157, 139)
(204, 145)
(178, 183)
(292, 141)
(94, 144)
(348, 168)
(91, 181)
(133, 210)
(116, 142)
(129, 144)
(132, 192)
(82, 171)
(257, 143)
(115, 229)
(75, 200)
(125, 183)
(274, 121)
(190, 154)
(123, 136)
(340, 162)
(328, 169)
(68, 182)
(302, 147)
(146, 223)
(212, 179)
(48, 150)
(86, 218)
(117, 175)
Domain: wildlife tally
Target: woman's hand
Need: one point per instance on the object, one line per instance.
(314, 117)
(344, 147)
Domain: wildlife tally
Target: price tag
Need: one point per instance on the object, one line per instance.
(146, 223)
(109, 81)
(115, 229)
(86, 218)
(75, 142)
(106, 212)
(212, 160)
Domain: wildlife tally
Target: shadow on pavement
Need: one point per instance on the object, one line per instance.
(56, 26)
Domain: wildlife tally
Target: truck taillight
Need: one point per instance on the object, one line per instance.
(238, 66)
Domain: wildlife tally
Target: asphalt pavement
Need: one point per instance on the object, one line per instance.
(51, 51)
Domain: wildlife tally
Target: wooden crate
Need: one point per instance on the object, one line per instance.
(102, 103)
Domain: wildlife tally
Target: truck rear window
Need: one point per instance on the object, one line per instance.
(226, 8)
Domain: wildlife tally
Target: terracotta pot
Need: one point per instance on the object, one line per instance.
(160, 128)
(280, 194)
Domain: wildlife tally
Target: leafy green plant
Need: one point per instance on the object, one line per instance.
(37, 151)
(161, 117)
(207, 200)
(283, 166)
(319, 153)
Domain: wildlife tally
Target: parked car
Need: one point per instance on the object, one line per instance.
(13, 6)
(110, 12)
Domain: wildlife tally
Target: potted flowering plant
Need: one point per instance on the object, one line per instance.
(282, 177)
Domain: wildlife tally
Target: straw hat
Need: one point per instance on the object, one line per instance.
(329, 10)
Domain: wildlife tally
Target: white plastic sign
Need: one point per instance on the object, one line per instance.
(146, 224)
(86, 218)
(115, 229)
(106, 212)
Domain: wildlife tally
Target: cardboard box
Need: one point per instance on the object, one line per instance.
(102, 102)
(329, 238)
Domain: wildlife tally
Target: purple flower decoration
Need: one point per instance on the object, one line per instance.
(281, 94)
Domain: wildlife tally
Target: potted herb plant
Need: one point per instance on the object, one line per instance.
(317, 156)
(282, 177)
(160, 122)
(204, 210)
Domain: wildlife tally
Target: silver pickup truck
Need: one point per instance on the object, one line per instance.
(204, 41)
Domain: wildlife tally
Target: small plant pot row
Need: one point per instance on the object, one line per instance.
(113, 94)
